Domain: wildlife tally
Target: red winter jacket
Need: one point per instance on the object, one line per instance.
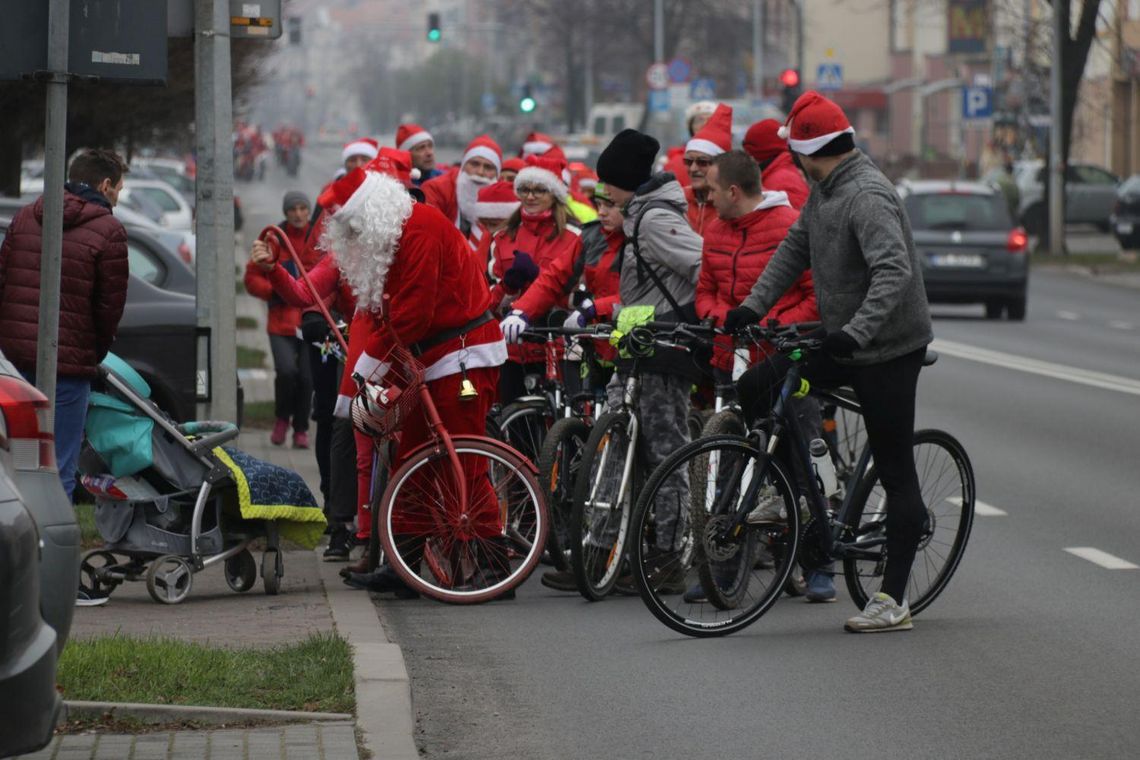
(532, 237)
(284, 319)
(440, 192)
(700, 213)
(734, 256)
(93, 285)
(782, 174)
(675, 164)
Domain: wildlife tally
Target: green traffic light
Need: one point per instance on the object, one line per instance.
(526, 105)
(434, 35)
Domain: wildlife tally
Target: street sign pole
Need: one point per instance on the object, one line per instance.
(1056, 184)
(55, 158)
(213, 118)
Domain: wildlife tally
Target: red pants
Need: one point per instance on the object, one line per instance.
(459, 417)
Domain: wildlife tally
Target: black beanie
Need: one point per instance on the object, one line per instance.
(627, 162)
(844, 143)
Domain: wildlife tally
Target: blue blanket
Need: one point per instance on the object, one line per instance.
(269, 492)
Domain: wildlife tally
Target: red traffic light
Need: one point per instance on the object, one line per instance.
(790, 78)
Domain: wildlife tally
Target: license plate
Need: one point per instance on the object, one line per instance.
(957, 260)
(1124, 228)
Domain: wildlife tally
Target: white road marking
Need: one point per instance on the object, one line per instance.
(1070, 316)
(1037, 367)
(981, 508)
(1104, 559)
(1118, 325)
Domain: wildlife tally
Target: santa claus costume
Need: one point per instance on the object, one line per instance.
(777, 169)
(456, 192)
(714, 138)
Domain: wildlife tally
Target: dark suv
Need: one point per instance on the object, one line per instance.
(970, 249)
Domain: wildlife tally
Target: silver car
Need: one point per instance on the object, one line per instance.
(1090, 194)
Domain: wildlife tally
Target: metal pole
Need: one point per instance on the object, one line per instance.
(1056, 170)
(213, 118)
(800, 37)
(55, 159)
(757, 49)
(658, 31)
(588, 96)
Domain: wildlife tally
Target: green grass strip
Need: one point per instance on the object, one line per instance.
(313, 675)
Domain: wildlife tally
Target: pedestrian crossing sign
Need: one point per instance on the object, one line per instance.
(829, 77)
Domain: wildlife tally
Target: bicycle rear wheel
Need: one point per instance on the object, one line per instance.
(558, 463)
(946, 479)
(599, 524)
(522, 425)
(469, 557)
(701, 585)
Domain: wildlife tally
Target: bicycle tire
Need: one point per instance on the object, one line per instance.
(588, 521)
(558, 463)
(705, 619)
(948, 493)
(522, 425)
(431, 562)
(728, 421)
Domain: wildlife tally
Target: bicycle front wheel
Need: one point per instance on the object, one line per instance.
(603, 501)
(692, 578)
(946, 480)
(558, 464)
(464, 554)
(522, 425)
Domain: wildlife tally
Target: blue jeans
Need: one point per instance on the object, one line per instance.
(71, 395)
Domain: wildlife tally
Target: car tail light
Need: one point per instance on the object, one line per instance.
(1018, 240)
(184, 252)
(26, 425)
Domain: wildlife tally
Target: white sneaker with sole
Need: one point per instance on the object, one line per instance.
(769, 510)
(880, 615)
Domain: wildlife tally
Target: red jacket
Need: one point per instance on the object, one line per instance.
(284, 319)
(782, 174)
(92, 288)
(700, 213)
(735, 253)
(532, 237)
(440, 192)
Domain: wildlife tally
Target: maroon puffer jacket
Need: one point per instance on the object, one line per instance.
(735, 253)
(93, 286)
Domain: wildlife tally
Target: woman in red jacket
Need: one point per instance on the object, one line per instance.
(292, 384)
(537, 236)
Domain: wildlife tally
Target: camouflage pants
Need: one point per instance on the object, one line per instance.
(662, 410)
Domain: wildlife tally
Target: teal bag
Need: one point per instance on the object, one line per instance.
(115, 429)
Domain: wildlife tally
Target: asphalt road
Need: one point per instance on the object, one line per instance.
(1032, 652)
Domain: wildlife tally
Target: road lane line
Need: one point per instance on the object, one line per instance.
(1069, 316)
(1104, 559)
(981, 508)
(1036, 367)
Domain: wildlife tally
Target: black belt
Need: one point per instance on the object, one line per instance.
(422, 347)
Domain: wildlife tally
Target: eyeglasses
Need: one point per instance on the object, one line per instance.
(532, 190)
(700, 163)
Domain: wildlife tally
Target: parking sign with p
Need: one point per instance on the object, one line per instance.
(977, 102)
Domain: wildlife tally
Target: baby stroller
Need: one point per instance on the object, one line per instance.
(170, 502)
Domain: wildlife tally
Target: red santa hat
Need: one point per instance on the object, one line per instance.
(483, 147)
(763, 142)
(545, 172)
(364, 146)
(496, 201)
(537, 144)
(348, 192)
(715, 137)
(513, 164)
(813, 123)
(409, 136)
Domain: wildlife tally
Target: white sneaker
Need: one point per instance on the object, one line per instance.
(880, 615)
(769, 510)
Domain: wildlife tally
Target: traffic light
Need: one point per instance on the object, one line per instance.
(527, 103)
(790, 81)
(434, 33)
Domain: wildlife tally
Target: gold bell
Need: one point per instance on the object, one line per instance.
(467, 390)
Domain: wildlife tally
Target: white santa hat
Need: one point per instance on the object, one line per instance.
(483, 147)
(813, 123)
(409, 136)
(496, 201)
(545, 171)
(364, 146)
(715, 137)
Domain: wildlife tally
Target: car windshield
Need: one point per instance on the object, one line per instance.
(1131, 186)
(957, 211)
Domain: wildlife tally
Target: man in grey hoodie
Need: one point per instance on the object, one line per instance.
(854, 234)
(659, 267)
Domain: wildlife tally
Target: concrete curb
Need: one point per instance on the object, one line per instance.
(209, 715)
(384, 711)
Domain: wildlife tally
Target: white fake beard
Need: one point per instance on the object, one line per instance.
(467, 193)
(365, 241)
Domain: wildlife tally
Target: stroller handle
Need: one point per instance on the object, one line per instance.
(216, 433)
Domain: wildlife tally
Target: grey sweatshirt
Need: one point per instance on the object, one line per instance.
(667, 243)
(854, 234)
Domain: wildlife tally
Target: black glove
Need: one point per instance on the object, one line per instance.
(522, 272)
(739, 317)
(839, 344)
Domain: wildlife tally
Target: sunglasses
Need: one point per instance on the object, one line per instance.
(532, 190)
(700, 163)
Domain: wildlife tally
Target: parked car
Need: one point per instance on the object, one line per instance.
(39, 566)
(1090, 193)
(1126, 213)
(177, 213)
(970, 250)
(170, 171)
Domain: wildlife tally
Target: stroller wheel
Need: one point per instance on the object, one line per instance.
(93, 575)
(271, 571)
(169, 579)
(241, 571)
